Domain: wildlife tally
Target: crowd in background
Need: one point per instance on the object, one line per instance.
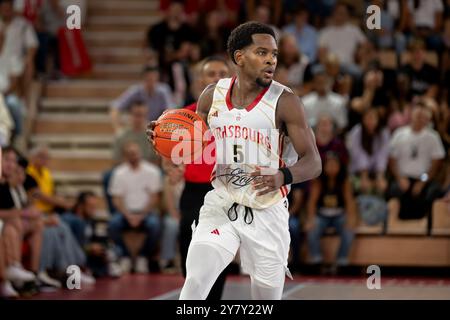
(382, 129)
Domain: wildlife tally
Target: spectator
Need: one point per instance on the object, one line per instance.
(323, 100)
(372, 93)
(135, 186)
(342, 38)
(331, 204)
(274, 7)
(90, 232)
(59, 247)
(420, 77)
(341, 81)
(136, 133)
(45, 196)
(18, 44)
(296, 198)
(290, 57)
(179, 77)
(425, 20)
(6, 123)
(305, 35)
(167, 36)
(23, 215)
(262, 14)
(416, 154)
(51, 18)
(154, 94)
(215, 34)
(327, 139)
(369, 150)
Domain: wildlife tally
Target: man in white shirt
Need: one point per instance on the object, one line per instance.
(342, 38)
(18, 43)
(323, 100)
(135, 187)
(416, 155)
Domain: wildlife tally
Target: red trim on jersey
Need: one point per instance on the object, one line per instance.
(283, 189)
(251, 105)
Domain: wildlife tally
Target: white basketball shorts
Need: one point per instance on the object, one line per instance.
(263, 244)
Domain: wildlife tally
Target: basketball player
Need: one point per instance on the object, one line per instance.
(263, 144)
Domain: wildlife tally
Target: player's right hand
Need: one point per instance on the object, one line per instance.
(150, 133)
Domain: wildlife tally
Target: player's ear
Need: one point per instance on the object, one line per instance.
(238, 57)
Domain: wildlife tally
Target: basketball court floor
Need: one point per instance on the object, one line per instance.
(167, 287)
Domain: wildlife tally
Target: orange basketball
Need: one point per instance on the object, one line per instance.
(179, 135)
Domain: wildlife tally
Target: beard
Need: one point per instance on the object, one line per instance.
(263, 83)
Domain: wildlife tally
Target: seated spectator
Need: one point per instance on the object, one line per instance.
(416, 154)
(19, 45)
(174, 185)
(331, 204)
(372, 93)
(305, 35)
(342, 38)
(59, 247)
(135, 187)
(290, 57)
(45, 195)
(154, 94)
(11, 270)
(19, 219)
(262, 14)
(341, 81)
(215, 34)
(425, 20)
(368, 144)
(296, 199)
(420, 77)
(6, 123)
(135, 132)
(91, 234)
(323, 100)
(327, 139)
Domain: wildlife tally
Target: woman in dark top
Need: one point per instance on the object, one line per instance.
(331, 204)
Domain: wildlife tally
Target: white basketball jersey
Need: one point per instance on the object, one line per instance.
(247, 140)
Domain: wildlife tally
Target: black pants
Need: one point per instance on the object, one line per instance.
(190, 204)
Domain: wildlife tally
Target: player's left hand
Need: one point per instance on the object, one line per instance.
(267, 180)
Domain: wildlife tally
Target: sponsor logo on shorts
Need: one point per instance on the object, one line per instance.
(215, 231)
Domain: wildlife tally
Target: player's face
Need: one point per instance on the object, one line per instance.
(213, 71)
(260, 59)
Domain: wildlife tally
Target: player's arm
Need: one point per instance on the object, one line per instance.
(291, 116)
(291, 112)
(204, 102)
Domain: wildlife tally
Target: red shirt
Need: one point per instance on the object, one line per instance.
(198, 173)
